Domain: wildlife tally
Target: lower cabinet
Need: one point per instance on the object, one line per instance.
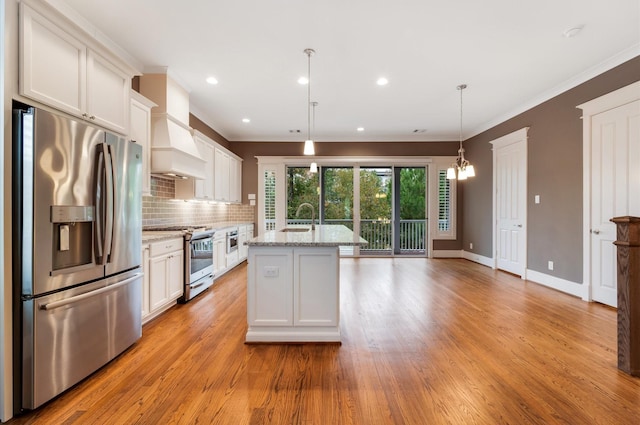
(245, 233)
(165, 276)
(293, 294)
(145, 281)
(219, 253)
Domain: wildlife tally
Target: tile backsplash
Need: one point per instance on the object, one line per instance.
(161, 209)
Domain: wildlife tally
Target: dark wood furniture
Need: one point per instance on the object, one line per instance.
(628, 243)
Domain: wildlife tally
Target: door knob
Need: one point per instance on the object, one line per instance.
(595, 232)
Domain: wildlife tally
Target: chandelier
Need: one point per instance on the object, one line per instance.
(462, 168)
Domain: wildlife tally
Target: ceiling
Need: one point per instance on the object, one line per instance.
(511, 54)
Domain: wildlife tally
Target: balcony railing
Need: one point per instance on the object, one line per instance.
(379, 234)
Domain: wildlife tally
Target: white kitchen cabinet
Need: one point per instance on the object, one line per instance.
(293, 294)
(166, 274)
(59, 69)
(245, 233)
(219, 252)
(235, 178)
(200, 189)
(140, 132)
(221, 184)
(145, 282)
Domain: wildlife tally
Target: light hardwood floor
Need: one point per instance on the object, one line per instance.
(424, 342)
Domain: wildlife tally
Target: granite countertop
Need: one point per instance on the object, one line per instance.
(161, 235)
(323, 235)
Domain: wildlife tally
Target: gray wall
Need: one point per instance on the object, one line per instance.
(554, 172)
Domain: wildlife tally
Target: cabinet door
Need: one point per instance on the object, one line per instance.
(220, 252)
(175, 274)
(204, 189)
(158, 275)
(234, 187)
(107, 94)
(270, 287)
(52, 64)
(316, 287)
(140, 132)
(145, 282)
(221, 176)
(207, 184)
(242, 248)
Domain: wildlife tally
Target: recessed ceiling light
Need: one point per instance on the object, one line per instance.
(246, 120)
(572, 32)
(303, 81)
(212, 80)
(360, 129)
(382, 81)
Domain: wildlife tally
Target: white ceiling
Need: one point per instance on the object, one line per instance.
(512, 54)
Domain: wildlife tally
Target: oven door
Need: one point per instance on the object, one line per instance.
(200, 258)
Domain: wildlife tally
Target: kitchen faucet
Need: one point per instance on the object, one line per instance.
(313, 213)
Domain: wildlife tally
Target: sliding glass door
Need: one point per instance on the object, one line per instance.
(376, 213)
(410, 227)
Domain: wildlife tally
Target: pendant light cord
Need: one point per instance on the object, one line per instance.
(309, 52)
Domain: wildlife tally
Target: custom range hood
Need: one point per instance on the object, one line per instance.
(174, 153)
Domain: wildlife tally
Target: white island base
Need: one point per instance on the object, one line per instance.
(293, 294)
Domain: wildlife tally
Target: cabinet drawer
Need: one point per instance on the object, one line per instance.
(164, 247)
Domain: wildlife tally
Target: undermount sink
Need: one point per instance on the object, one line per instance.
(295, 229)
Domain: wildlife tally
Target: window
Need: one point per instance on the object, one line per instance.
(269, 200)
(446, 226)
(444, 202)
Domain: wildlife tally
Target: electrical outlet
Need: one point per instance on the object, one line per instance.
(550, 265)
(271, 271)
(470, 245)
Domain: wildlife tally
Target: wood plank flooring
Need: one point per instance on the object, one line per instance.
(424, 342)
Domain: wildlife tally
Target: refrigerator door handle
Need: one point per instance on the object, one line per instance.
(99, 177)
(71, 300)
(110, 181)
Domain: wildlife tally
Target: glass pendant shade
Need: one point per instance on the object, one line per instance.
(309, 148)
(313, 168)
(471, 172)
(451, 173)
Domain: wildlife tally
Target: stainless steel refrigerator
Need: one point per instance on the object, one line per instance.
(77, 250)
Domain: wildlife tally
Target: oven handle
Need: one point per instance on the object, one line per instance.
(199, 283)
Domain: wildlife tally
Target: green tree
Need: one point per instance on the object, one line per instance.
(412, 193)
(302, 186)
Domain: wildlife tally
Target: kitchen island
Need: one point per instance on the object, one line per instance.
(293, 292)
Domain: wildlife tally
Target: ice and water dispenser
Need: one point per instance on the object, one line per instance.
(72, 236)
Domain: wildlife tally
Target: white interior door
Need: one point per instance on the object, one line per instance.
(615, 190)
(510, 188)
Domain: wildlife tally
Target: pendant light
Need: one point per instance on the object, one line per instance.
(461, 169)
(308, 144)
(314, 166)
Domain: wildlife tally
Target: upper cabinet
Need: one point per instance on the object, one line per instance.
(222, 176)
(196, 188)
(140, 132)
(60, 68)
(235, 179)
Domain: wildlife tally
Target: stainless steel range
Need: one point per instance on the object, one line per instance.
(198, 258)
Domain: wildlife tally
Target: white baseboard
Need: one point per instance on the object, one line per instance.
(562, 285)
(477, 258)
(441, 253)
